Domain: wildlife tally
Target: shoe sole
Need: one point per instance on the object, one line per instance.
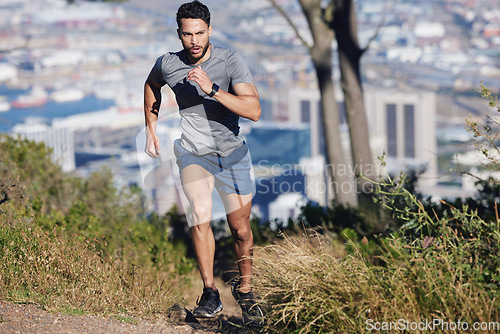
(209, 315)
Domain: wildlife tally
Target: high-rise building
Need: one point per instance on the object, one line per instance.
(60, 140)
(160, 177)
(304, 106)
(403, 125)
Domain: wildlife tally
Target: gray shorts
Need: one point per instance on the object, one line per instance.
(232, 174)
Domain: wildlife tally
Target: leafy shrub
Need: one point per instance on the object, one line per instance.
(63, 273)
(310, 286)
(438, 262)
(37, 195)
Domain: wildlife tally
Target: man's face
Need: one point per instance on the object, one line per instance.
(194, 35)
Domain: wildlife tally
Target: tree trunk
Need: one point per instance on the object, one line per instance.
(321, 54)
(344, 26)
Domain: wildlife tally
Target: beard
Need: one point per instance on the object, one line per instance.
(199, 55)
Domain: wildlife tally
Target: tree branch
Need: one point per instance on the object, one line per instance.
(294, 27)
(328, 13)
(377, 30)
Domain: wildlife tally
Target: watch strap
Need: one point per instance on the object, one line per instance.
(215, 89)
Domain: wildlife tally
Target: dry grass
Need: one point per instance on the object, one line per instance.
(63, 273)
(310, 286)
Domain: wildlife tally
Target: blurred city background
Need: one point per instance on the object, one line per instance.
(72, 76)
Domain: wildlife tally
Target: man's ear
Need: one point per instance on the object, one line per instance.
(209, 31)
(179, 33)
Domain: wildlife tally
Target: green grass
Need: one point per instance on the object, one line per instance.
(309, 287)
(73, 311)
(68, 274)
(435, 266)
(125, 319)
(71, 243)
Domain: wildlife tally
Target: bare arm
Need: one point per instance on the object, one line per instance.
(245, 101)
(152, 102)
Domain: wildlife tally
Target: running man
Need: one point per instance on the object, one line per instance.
(213, 88)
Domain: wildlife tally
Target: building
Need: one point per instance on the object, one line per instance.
(402, 125)
(60, 140)
(160, 177)
(304, 107)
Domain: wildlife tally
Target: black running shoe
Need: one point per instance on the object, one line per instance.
(251, 311)
(209, 304)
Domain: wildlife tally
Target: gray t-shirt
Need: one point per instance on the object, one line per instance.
(207, 126)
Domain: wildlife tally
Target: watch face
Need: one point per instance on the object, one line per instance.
(215, 89)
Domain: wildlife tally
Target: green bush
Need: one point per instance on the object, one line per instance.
(436, 261)
(309, 286)
(63, 273)
(36, 194)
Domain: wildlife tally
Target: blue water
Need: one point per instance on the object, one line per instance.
(47, 112)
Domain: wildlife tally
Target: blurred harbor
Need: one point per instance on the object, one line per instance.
(73, 75)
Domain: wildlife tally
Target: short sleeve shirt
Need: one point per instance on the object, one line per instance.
(206, 125)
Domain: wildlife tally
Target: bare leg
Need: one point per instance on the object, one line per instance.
(198, 185)
(238, 210)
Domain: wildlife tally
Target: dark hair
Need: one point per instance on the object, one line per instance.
(193, 10)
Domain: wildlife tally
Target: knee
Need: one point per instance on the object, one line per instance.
(202, 210)
(200, 230)
(242, 233)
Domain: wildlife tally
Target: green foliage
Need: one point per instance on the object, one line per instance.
(335, 218)
(446, 268)
(89, 208)
(434, 261)
(468, 240)
(261, 235)
(487, 135)
(28, 164)
(66, 274)
(33, 190)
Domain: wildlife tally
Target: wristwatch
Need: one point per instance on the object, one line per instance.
(215, 89)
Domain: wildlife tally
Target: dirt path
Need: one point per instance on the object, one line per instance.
(31, 318)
